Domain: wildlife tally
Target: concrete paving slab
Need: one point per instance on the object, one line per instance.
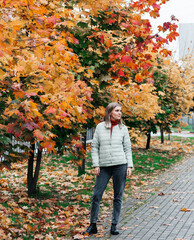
(169, 216)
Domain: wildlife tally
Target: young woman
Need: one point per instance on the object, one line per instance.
(111, 157)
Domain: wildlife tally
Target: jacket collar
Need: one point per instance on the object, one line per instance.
(108, 125)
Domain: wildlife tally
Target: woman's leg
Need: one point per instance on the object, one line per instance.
(119, 180)
(100, 185)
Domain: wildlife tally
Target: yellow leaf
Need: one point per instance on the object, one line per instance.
(1, 72)
(18, 210)
(78, 110)
(81, 69)
(79, 197)
(4, 220)
(12, 204)
(3, 234)
(19, 94)
(161, 93)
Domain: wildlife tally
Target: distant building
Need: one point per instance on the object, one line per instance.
(186, 39)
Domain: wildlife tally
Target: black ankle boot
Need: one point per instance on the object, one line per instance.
(92, 229)
(114, 230)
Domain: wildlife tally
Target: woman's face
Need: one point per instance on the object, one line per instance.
(116, 113)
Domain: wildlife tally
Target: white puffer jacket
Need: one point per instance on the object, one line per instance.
(110, 150)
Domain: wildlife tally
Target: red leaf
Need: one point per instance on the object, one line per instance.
(102, 39)
(166, 25)
(50, 110)
(75, 41)
(30, 125)
(126, 59)
(38, 134)
(52, 19)
(156, 6)
(111, 21)
(138, 78)
(172, 36)
(121, 73)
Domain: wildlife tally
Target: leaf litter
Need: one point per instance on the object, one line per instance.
(61, 209)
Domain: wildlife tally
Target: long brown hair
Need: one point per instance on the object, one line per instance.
(108, 111)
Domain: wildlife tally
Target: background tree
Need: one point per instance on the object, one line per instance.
(174, 86)
(164, 104)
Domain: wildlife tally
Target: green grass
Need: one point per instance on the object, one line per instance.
(149, 161)
(177, 139)
(187, 128)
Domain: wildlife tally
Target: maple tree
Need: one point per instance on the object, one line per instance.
(40, 84)
(114, 42)
(172, 90)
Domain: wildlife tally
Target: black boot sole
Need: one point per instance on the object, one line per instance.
(93, 232)
(114, 233)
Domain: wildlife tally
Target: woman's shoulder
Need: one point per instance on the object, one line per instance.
(123, 127)
(101, 124)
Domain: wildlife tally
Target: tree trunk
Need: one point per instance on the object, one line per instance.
(162, 134)
(33, 178)
(30, 167)
(81, 169)
(169, 136)
(148, 140)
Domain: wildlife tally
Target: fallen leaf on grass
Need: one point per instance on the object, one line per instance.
(18, 210)
(143, 183)
(48, 237)
(38, 236)
(5, 221)
(12, 204)
(2, 234)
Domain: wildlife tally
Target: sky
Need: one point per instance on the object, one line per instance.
(181, 9)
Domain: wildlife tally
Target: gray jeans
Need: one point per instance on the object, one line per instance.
(118, 173)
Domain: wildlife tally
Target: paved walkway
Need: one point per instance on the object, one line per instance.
(166, 215)
(181, 134)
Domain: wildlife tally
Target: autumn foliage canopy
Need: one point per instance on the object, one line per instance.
(62, 61)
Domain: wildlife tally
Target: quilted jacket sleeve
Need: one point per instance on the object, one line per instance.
(95, 148)
(127, 148)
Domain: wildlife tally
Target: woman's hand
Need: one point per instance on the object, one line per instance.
(97, 171)
(129, 171)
